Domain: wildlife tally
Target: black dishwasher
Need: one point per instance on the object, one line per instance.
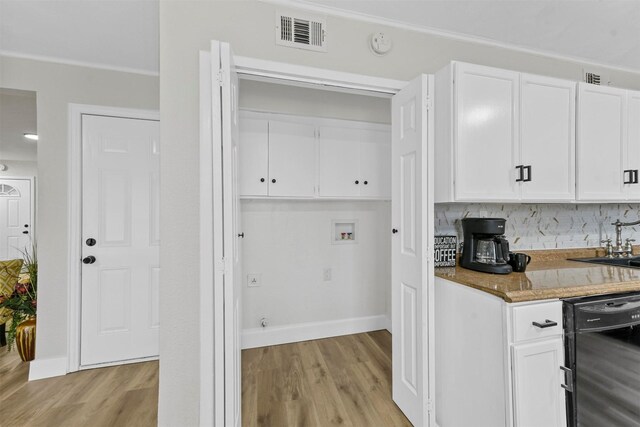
(602, 352)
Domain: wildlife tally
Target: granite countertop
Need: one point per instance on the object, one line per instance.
(550, 275)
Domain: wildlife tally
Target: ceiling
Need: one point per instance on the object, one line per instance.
(17, 117)
(604, 32)
(123, 34)
(120, 34)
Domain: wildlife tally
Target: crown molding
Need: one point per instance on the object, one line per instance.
(86, 64)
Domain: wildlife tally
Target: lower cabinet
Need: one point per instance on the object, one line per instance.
(498, 364)
(538, 398)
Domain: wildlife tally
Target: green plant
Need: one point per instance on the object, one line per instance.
(23, 301)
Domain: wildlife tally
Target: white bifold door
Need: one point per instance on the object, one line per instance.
(221, 237)
(120, 239)
(412, 273)
(226, 238)
(15, 217)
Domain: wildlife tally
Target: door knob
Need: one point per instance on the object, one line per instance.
(241, 234)
(357, 182)
(394, 231)
(366, 182)
(273, 180)
(89, 260)
(25, 232)
(91, 241)
(261, 179)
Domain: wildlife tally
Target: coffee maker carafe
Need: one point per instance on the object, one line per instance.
(485, 248)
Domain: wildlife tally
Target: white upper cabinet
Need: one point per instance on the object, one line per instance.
(494, 130)
(601, 144)
(485, 103)
(354, 161)
(306, 157)
(547, 138)
(633, 143)
(254, 157)
(292, 159)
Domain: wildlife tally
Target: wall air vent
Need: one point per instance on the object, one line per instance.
(301, 31)
(592, 78)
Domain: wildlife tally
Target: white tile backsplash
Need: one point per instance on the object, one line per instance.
(544, 226)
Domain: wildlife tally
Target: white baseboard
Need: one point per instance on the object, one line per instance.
(47, 368)
(274, 335)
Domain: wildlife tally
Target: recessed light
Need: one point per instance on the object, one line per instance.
(31, 136)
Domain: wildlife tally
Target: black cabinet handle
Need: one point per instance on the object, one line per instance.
(547, 324)
(89, 260)
(624, 176)
(635, 176)
(91, 242)
(261, 179)
(528, 178)
(366, 182)
(241, 235)
(273, 180)
(520, 173)
(394, 231)
(357, 182)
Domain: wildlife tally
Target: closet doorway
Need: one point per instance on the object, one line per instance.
(221, 246)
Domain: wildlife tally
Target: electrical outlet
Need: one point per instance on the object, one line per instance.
(326, 274)
(253, 280)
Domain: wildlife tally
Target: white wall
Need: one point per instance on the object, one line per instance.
(187, 27)
(289, 244)
(19, 168)
(58, 85)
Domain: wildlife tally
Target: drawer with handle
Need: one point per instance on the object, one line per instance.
(537, 321)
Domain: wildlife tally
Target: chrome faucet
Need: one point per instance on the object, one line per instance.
(620, 250)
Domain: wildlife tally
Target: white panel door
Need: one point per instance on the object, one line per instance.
(412, 271)
(120, 270)
(226, 239)
(292, 159)
(547, 138)
(339, 161)
(600, 143)
(375, 165)
(15, 217)
(486, 133)
(254, 157)
(633, 143)
(539, 399)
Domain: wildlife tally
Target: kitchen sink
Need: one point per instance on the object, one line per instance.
(631, 262)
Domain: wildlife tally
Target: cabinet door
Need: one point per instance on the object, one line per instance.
(486, 133)
(338, 163)
(292, 159)
(539, 399)
(254, 157)
(600, 142)
(633, 142)
(375, 165)
(547, 138)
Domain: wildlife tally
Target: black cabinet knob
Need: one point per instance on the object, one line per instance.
(357, 182)
(89, 260)
(241, 235)
(366, 182)
(26, 226)
(394, 231)
(91, 241)
(261, 179)
(273, 180)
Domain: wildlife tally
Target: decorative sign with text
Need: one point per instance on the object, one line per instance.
(444, 251)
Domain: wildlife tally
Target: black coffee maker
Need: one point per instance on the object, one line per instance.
(485, 248)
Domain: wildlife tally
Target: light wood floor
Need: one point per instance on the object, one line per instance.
(335, 381)
(124, 395)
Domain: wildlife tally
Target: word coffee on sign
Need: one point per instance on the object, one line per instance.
(444, 253)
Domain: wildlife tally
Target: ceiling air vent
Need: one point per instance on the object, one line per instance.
(301, 31)
(592, 78)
